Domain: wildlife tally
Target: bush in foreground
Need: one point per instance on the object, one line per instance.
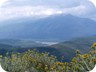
(33, 61)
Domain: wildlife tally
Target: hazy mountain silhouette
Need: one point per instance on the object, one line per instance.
(56, 27)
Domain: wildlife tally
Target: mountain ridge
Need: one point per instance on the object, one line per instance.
(66, 48)
(58, 27)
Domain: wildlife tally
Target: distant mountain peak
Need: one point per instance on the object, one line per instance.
(55, 27)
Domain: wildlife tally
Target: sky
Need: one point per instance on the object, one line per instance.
(11, 9)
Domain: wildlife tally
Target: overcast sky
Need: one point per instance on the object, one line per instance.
(38, 8)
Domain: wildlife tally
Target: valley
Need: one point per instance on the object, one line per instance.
(66, 49)
(60, 35)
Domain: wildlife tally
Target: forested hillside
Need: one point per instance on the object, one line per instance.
(66, 48)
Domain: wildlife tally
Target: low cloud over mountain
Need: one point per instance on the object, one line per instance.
(40, 8)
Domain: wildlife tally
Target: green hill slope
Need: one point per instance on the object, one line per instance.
(66, 49)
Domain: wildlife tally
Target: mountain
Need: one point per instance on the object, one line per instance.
(16, 43)
(66, 49)
(78, 44)
(52, 28)
(53, 50)
(2, 46)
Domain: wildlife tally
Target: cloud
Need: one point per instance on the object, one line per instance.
(40, 8)
(50, 3)
(75, 10)
(27, 11)
(2, 2)
(94, 2)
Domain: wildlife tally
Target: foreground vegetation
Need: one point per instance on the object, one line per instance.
(33, 61)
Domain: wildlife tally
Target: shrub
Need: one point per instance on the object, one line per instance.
(33, 61)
